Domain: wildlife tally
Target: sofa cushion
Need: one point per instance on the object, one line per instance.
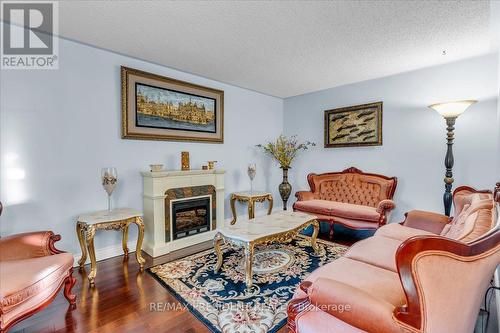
(315, 321)
(400, 232)
(378, 251)
(340, 209)
(377, 282)
(473, 221)
(24, 279)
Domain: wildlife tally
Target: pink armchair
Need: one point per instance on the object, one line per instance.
(352, 198)
(32, 271)
(428, 274)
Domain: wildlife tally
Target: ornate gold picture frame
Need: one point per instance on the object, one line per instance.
(359, 125)
(156, 107)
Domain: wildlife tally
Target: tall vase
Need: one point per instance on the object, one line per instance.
(285, 188)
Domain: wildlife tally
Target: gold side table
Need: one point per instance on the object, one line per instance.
(250, 198)
(117, 219)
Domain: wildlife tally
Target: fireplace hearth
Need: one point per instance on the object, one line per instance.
(190, 217)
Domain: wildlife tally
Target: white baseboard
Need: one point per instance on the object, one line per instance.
(116, 250)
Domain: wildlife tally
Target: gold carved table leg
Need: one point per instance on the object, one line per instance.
(90, 233)
(270, 209)
(233, 208)
(125, 240)
(249, 250)
(251, 209)
(314, 236)
(80, 232)
(217, 246)
(140, 238)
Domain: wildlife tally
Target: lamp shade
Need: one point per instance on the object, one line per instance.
(452, 109)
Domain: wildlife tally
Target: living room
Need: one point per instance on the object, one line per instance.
(250, 166)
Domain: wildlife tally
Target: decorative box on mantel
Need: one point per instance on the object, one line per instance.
(181, 208)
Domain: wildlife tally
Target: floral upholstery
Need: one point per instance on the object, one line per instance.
(355, 199)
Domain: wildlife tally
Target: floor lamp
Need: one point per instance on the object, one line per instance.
(450, 111)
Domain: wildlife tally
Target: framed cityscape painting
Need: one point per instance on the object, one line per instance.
(359, 125)
(155, 107)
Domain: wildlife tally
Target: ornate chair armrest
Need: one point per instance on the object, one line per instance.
(428, 221)
(385, 206)
(28, 245)
(352, 305)
(304, 195)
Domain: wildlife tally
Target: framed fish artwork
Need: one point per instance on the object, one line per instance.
(359, 125)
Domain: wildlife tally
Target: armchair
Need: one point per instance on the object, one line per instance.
(352, 198)
(32, 271)
(408, 277)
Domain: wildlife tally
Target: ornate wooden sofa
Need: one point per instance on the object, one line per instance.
(352, 198)
(427, 274)
(32, 271)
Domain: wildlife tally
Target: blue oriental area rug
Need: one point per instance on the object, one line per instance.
(222, 301)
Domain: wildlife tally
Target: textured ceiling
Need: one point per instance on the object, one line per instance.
(284, 48)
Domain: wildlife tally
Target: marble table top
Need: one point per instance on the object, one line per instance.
(262, 226)
(251, 194)
(117, 214)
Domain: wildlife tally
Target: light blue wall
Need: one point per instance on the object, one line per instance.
(64, 125)
(413, 135)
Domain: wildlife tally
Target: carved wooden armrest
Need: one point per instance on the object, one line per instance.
(28, 245)
(411, 269)
(385, 206)
(304, 195)
(298, 306)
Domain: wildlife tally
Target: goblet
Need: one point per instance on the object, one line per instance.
(252, 170)
(109, 178)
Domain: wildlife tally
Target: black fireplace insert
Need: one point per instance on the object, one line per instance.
(190, 217)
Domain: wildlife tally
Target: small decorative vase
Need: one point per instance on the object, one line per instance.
(185, 161)
(285, 188)
(211, 165)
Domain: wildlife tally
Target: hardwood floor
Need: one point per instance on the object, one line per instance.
(120, 302)
(123, 299)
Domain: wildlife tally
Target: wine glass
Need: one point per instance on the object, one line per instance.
(109, 178)
(252, 170)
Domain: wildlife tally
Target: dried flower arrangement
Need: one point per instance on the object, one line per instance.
(285, 149)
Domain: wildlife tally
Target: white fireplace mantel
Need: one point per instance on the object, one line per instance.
(155, 185)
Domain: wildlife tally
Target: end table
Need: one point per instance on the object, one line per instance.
(250, 198)
(117, 219)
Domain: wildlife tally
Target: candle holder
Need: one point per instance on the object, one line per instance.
(252, 171)
(109, 179)
(185, 161)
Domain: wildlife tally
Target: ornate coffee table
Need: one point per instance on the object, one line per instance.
(277, 227)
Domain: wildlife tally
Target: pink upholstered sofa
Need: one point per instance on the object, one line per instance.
(352, 198)
(428, 274)
(32, 271)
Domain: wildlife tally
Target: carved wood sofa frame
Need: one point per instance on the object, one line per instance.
(67, 283)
